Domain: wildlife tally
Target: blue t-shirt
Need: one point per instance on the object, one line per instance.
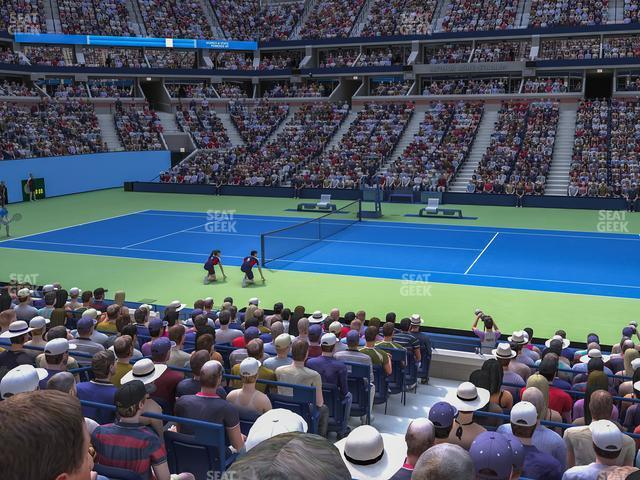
(97, 392)
(331, 371)
(540, 465)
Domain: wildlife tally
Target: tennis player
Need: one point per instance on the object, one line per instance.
(4, 219)
(247, 268)
(210, 267)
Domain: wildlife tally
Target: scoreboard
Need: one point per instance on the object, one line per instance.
(38, 186)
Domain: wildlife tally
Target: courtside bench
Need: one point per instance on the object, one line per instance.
(324, 205)
(446, 212)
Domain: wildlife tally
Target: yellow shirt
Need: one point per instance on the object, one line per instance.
(107, 327)
(263, 374)
(121, 370)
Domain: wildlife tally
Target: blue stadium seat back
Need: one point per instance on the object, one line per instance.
(454, 342)
(247, 419)
(382, 386)
(114, 473)
(225, 350)
(100, 415)
(142, 339)
(72, 319)
(398, 363)
(305, 407)
(337, 421)
(411, 371)
(85, 374)
(186, 454)
(359, 385)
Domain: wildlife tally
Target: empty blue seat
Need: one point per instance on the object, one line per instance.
(382, 386)
(197, 454)
(302, 401)
(359, 380)
(335, 404)
(397, 379)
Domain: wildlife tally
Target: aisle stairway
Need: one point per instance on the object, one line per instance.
(558, 178)
(480, 144)
(109, 132)
(234, 135)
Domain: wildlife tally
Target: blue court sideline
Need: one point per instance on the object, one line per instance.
(558, 261)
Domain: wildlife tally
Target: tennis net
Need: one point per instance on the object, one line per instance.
(286, 241)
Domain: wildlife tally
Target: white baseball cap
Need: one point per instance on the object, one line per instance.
(24, 293)
(48, 288)
(58, 346)
(335, 327)
(38, 322)
(75, 291)
(328, 339)
(606, 435)
(272, 423)
(249, 367)
(254, 301)
(525, 414)
(177, 305)
(23, 378)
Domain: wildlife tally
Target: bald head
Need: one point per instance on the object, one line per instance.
(255, 349)
(211, 374)
(303, 326)
(444, 462)
(277, 328)
(420, 437)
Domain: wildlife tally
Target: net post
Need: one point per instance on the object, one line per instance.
(262, 253)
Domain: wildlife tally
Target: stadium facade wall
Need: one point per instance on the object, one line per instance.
(83, 173)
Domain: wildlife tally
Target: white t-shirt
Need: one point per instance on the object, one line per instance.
(584, 472)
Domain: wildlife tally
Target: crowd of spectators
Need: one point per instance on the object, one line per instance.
(495, 425)
(232, 60)
(280, 60)
(495, 166)
(589, 163)
(114, 57)
(138, 126)
(580, 48)
(448, 53)
(26, 16)
(469, 86)
(205, 127)
(7, 55)
(175, 19)
(338, 57)
(630, 11)
(331, 19)
(501, 51)
(479, 15)
(307, 88)
(168, 58)
(438, 148)
(549, 85)
(519, 155)
(16, 88)
(67, 89)
(366, 145)
(191, 90)
(256, 123)
(620, 47)
(629, 82)
(390, 88)
(255, 20)
(49, 128)
(382, 56)
(112, 88)
(49, 55)
(230, 90)
(96, 17)
(624, 147)
(546, 13)
(399, 17)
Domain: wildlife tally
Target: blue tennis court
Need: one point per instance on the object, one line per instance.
(557, 261)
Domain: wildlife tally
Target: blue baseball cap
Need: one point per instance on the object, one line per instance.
(251, 333)
(85, 324)
(492, 456)
(517, 450)
(315, 333)
(353, 337)
(156, 325)
(161, 346)
(442, 414)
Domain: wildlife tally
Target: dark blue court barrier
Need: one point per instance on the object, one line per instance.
(104, 170)
(586, 203)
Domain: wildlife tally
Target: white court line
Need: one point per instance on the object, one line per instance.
(406, 270)
(466, 229)
(340, 241)
(73, 226)
(163, 236)
(483, 250)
